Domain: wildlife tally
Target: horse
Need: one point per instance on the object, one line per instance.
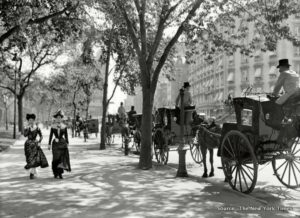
(208, 139)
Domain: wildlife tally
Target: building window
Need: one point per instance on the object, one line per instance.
(245, 75)
(231, 60)
(297, 30)
(258, 73)
(297, 51)
(244, 58)
(230, 77)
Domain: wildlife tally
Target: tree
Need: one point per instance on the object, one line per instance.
(37, 55)
(148, 21)
(17, 15)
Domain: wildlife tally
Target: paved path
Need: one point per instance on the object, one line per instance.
(108, 184)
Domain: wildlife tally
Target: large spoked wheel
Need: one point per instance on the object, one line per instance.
(196, 151)
(239, 162)
(286, 166)
(161, 150)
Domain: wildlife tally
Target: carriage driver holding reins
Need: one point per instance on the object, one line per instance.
(288, 80)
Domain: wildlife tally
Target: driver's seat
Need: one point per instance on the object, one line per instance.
(292, 104)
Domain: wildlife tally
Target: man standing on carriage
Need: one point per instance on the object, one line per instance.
(131, 120)
(187, 102)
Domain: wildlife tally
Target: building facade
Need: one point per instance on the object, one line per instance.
(226, 75)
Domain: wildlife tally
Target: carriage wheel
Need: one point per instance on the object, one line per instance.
(196, 151)
(286, 166)
(239, 162)
(160, 148)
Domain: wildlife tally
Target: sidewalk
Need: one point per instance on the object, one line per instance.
(6, 138)
(108, 184)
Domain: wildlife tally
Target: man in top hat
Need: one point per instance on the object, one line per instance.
(187, 98)
(288, 80)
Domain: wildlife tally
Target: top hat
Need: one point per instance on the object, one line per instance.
(283, 62)
(58, 113)
(186, 84)
(30, 116)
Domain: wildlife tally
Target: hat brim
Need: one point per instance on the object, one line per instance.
(58, 115)
(287, 65)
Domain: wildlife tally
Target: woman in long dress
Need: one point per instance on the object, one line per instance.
(60, 143)
(33, 152)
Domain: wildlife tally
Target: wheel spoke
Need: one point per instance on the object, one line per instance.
(236, 176)
(295, 151)
(284, 171)
(296, 167)
(294, 173)
(281, 165)
(230, 146)
(232, 155)
(289, 173)
(240, 180)
(249, 169)
(244, 178)
(247, 174)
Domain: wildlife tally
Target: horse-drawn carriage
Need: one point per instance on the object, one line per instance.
(263, 132)
(135, 131)
(90, 126)
(166, 133)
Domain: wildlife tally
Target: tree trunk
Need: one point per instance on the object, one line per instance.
(104, 99)
(87, 107)
(146, 143)
(20, 113)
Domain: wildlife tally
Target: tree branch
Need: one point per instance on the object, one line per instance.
(8, 88)
(130, 28)
(168, 48)
(36, 21)
(160, 30)
(118, 81)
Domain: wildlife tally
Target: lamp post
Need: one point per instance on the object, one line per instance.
(16, 59)
(181, 171)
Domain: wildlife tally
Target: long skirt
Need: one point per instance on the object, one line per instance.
(61, 158)
(35, 156)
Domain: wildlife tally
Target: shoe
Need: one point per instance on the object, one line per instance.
(55, 176)
(31, 176)
(60, 176)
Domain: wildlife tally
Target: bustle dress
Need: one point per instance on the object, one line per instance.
(35, 156)
(60, 151)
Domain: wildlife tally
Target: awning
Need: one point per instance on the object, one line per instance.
(273, 70)
(257, 72)
(220, 96)
(230, 77)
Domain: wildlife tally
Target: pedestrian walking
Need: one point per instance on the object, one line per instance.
(35, 157)
(60, 143)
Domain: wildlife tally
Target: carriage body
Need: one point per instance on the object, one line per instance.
(93, 126)
(253, 140)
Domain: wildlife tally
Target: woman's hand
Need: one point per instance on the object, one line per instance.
(39, 144)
